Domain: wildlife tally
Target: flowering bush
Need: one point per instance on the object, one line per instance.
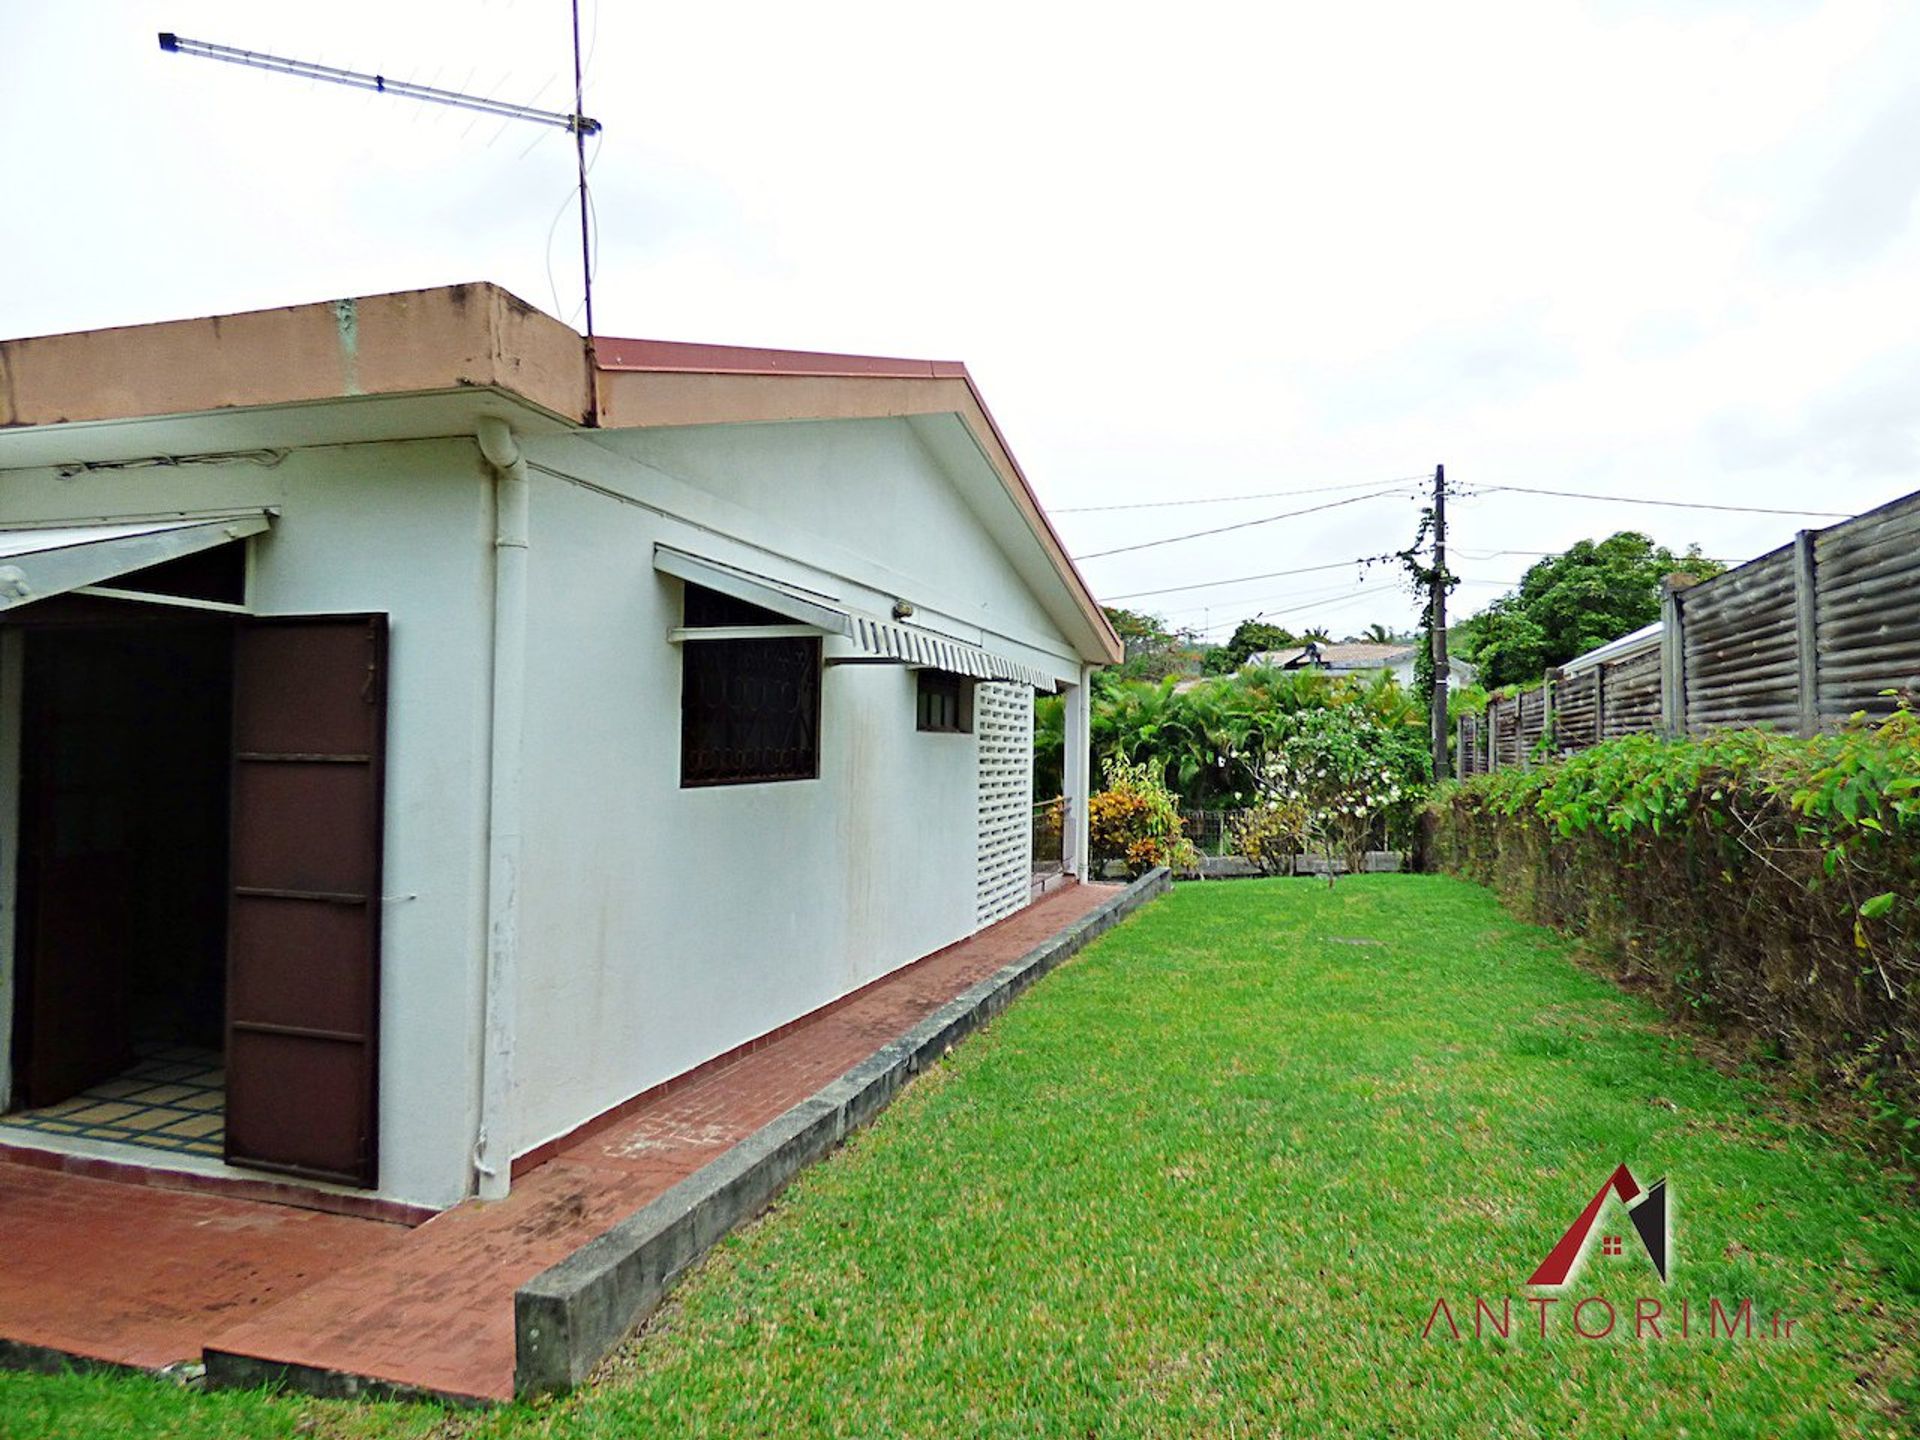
(1136, 819)
(1271, 835)
(1353, 777)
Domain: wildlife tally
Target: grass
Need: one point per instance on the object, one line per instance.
(1209, 1179)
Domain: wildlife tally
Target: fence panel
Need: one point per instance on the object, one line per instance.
(1799, 639)
(1470, 752)
(1533, 720)
(1576, 714)
(1740, 649)
(1504, 715)
(1867, 610)
(1631, 695)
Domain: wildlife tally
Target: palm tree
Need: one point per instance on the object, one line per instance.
(1379, 634)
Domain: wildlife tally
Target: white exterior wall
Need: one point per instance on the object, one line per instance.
(403, 528)
(661, 926)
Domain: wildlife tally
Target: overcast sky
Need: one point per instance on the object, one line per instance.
(1637, 249)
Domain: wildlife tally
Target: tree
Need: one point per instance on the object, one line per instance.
(1567, 604)
(1249, 638)
(1154, 650)
(1140, 632)
(1378, 634)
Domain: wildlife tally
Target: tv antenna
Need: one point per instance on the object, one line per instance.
(578, 123)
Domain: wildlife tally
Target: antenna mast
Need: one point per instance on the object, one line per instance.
(580, 156)
(580, 124)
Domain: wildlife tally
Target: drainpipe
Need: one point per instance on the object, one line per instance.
(492, 1156)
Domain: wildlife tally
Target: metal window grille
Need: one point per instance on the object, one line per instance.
(944, 702)
(749, 709)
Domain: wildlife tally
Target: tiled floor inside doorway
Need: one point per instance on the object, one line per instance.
(174, 1098)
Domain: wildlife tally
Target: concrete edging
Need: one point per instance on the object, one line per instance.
(571, 1315)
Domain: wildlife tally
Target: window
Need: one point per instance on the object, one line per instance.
(749, 709)
(945, 703)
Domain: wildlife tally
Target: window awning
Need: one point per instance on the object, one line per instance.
(873, 639)
(38, 563)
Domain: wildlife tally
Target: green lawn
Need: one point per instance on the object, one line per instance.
(1209, 1179)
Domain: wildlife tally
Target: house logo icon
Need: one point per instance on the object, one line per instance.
(1646, 1208)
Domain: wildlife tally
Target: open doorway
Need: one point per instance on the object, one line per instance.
(122, 882)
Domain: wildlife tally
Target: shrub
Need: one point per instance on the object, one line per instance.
(1354, 778)
(1763, 883)
(1136, 819)
(1271, 836)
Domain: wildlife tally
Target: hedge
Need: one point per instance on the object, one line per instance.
(1762, 883)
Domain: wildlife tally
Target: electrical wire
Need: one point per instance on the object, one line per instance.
(1230, 499)
(1310, 607)
(1264, 575)
(1240, 525)
(1670, 504)
(1318, 593)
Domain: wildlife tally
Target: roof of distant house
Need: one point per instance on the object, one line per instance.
(1358, 655)
(1352, 657)
(1647, 637)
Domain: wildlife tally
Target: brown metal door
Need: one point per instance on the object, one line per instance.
(303, 976)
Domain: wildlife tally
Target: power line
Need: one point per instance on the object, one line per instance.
(1292, 601)
(1241, 525)
(1670, 504)
(1318, 593)
(1230, 499)
(1265, 575)
(1309, 608)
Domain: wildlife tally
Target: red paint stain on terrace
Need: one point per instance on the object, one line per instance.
(432, 1307)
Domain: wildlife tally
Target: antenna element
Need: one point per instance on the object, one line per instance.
(577, 124)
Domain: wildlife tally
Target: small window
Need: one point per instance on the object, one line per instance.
(749, 709)
(945, 703)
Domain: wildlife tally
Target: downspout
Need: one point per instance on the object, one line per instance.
(492, 1154)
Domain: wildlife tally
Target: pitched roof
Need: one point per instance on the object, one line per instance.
(1364, 655)
(1354, 656)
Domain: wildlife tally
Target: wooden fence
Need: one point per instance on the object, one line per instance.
(1797, 640)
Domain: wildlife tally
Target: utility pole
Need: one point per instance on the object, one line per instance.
(1437, 609)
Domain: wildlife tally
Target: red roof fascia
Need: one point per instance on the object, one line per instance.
(684, 357)
(680, 357)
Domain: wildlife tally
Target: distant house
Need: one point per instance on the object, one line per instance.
(1361, 658)
(1615, 652)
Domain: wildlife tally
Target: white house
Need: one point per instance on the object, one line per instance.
(1361, 658)
(420, 732)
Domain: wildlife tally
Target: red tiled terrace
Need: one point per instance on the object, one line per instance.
(142, 1276)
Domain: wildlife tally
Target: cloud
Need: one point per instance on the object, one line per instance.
(1865, 200)
(1648, 248)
